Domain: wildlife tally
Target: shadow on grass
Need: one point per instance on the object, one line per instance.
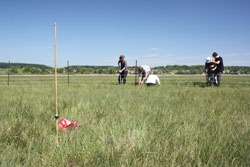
(200, 84)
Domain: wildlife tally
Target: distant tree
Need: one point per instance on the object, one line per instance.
(70, 69)
(45, 71)
(34, 70)
(78, 69)
(83, 71)
(60, 70)
(14, 70)
(100, 71)
(27, 70)
(112, 70)
(90, 71)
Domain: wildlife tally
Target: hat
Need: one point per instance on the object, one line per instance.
(209, 59)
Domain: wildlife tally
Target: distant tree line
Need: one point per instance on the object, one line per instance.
(199, 69)
(21, 68)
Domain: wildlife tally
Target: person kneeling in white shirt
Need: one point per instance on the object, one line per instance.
(153, 80)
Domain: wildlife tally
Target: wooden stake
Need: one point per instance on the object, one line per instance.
(68, 71)
(9, 74)
(135, 72)
(56, 88)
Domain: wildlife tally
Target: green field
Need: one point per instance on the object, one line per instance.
(180, 123)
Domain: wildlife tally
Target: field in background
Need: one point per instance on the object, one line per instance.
(180, 123)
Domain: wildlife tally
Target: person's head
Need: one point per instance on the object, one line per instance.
(122, 57)
(208, 60)
(140, 69)
(152, 72)
(215, 55)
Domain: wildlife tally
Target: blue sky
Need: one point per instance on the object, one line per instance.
(96, 32)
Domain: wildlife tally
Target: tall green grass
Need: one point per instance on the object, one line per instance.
(180, 123)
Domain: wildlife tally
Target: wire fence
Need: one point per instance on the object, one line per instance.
(63, 80)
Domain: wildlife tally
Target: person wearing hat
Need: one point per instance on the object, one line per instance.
(123, 71)
(209, 65)
(218, 69)
(144, 71)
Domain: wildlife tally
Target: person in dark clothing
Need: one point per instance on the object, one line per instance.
(217, 70)
(123, 71)
(209, 65)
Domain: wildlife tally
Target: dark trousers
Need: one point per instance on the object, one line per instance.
(123, 77)
(217, 78)
(151, 84)
(209, 78)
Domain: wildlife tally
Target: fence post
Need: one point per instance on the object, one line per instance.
(9, 73)
(135, 71)
(56, 116)
(68, 71)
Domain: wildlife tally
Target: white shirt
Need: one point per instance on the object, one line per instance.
(153, 79)
(146, 68)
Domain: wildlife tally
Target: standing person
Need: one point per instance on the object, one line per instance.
(144, 70)
(153, 80)
(218, 69)
(209, 65)
(123, 71)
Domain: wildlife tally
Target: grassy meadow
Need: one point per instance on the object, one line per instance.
(180, 123)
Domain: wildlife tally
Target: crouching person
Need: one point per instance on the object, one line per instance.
(209, 65)
(153, 80)
(144, 71)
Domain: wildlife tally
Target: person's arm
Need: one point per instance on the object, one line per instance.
(144, 78)
(125, 66)
(139, 78)
(140, 81)
(218, 61)
(206, 66)
(158, 81)
(122, 69)
(213, 69)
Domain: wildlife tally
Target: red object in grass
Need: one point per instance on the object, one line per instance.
(68, 125)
